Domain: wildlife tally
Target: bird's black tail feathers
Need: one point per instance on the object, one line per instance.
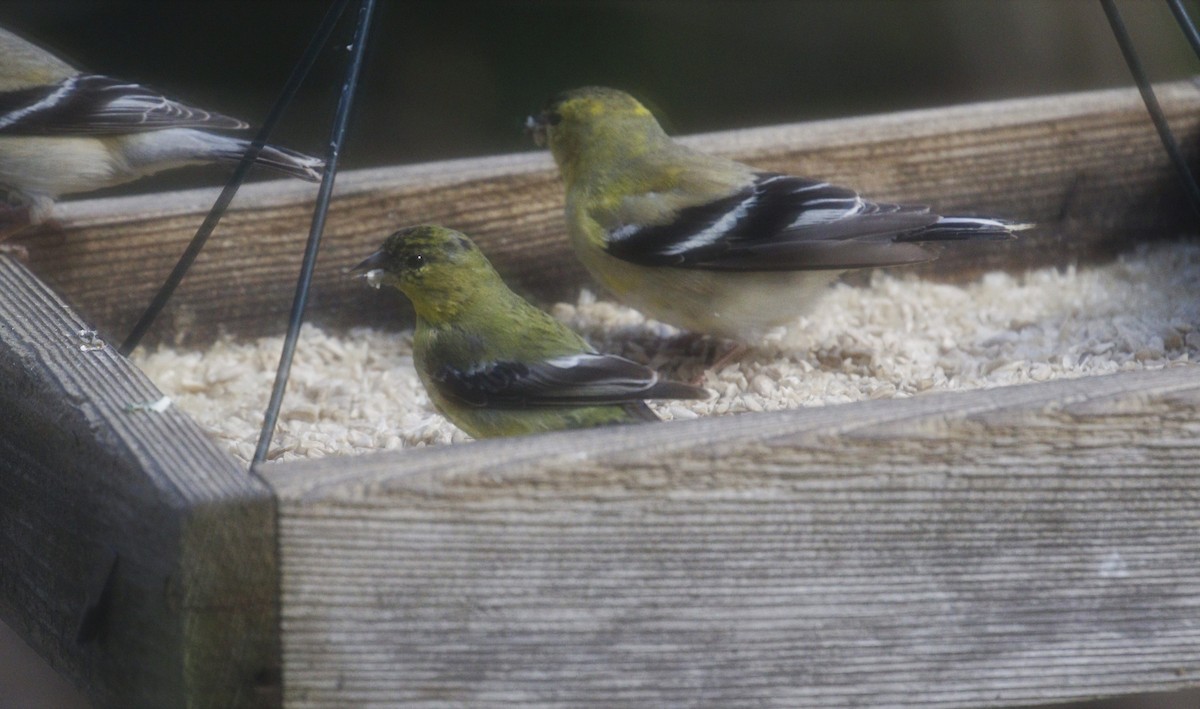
(965, 229)
(639, 411)
(288, 162)
(664, 389)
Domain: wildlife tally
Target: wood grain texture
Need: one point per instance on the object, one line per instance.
(1086, 166)
(993, 548)
(136, 557)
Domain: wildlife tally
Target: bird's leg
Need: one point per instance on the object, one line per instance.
(699, 350)
(704, 349)
(14, 218)
(733, 354)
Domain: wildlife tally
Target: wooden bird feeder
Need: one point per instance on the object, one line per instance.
(1012, 546)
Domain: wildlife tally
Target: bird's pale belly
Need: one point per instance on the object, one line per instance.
(55, 166)
(740, 305)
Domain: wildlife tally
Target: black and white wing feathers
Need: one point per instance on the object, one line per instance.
(571, 380)
(780, 222)
(90, 104)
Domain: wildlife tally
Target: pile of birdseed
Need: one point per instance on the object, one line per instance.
(899, 336)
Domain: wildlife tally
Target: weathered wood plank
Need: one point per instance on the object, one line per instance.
(137, 558)
(1088, 166)
(993, 548)
(1011, 546)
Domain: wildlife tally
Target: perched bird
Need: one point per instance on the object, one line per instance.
(709, 244)
(63, 132)
(494, 364)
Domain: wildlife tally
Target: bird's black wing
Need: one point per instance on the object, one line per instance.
(571, 380)
(780, 222)
(90, 104)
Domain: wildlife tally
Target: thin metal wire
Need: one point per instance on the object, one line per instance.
(299, 73)
(337, 137)
(1184, 173)
(1186, 24)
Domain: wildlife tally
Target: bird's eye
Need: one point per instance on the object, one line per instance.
(554, 118)
(415, 261)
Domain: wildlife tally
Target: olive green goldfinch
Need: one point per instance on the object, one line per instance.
(495, 365)
(709, 244)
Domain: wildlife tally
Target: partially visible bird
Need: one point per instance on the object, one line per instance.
(494, 364)
(709, 244)
(64, 132)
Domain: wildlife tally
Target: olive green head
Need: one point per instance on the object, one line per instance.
(439, 269)
(581, 124)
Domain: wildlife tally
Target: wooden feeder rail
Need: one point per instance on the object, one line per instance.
(1010, 546)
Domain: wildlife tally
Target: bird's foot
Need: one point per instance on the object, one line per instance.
(732, 355)
(13, 218)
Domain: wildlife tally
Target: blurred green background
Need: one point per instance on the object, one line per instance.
(451, 78)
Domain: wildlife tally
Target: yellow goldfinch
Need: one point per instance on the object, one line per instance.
(64, 132)
(495, 365)
(709, 244)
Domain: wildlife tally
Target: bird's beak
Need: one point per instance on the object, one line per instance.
(535, 127)
(371, 268)
(375, 260)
